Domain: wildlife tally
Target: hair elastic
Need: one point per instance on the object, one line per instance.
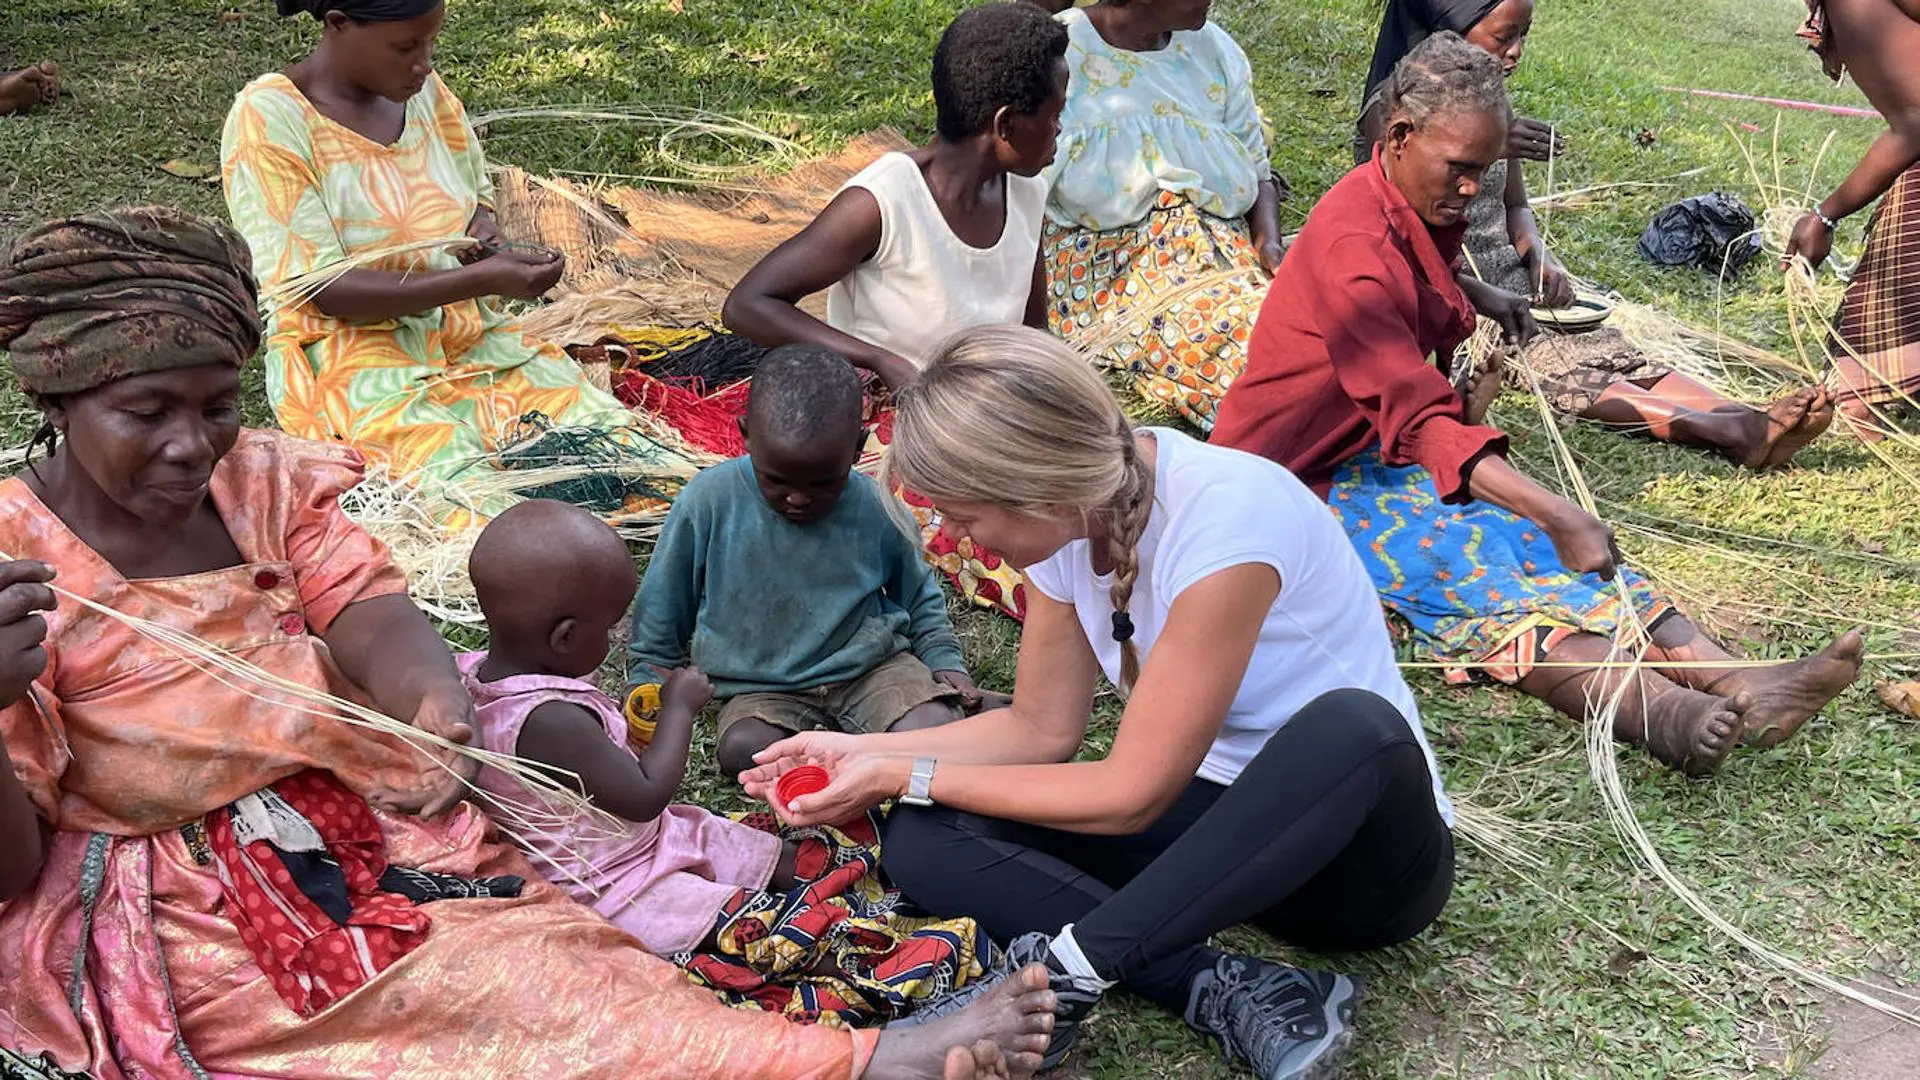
(1122, 627)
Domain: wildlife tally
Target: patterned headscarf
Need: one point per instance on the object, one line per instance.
(1820, 39)
(109, 295)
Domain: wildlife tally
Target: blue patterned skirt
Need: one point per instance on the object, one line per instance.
(1479, 586)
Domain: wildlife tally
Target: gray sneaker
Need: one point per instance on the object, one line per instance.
(1072, 1001)
(1287, 1024)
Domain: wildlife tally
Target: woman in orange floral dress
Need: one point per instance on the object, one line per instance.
(360, 148)
(199, 880)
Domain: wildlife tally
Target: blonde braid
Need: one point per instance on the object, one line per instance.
(1125, 522)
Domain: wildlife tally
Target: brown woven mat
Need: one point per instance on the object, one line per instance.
(671, 256)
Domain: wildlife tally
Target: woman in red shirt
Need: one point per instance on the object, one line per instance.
(1493, 572)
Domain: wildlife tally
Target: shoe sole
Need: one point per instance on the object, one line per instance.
(1330, 1061)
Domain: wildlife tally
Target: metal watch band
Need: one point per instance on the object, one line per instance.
(920, 787)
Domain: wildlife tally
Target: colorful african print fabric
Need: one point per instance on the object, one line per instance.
(428, 394)
(839, 950)
(979, 575)
(1479, 586)
(1172, 300)
(1876, 349)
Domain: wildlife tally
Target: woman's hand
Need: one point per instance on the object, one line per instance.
(1583, 542)
(970, 696)
(1534, 141)
(893, 370)
(23, 632)
(447, 713)
(824, 748)
(486, 234)
(1270, 253)
(1514, 313)
(859, 783)
(1556, 285)
(524, 275)
(1810, 239)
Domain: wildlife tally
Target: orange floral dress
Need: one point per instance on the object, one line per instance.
(430, 394)
(122, 961)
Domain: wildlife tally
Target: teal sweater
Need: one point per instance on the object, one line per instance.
(761, 604)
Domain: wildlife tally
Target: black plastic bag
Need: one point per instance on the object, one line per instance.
(1711, 232)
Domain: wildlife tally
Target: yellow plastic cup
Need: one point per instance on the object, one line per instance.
(643, 705)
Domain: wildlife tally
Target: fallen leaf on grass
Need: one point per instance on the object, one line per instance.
(678, 7)
(187, 170)
(1903, 697)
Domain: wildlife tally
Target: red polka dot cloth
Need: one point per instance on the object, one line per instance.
(312, 959)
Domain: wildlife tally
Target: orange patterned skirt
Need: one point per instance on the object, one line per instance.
(1171, 299)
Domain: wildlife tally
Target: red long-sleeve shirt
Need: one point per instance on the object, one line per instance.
(1354, 343)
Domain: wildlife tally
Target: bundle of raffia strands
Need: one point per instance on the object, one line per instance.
(1630, 648)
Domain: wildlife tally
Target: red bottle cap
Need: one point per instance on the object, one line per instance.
(803, 780)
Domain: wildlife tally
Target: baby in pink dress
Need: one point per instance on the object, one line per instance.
(553, 581)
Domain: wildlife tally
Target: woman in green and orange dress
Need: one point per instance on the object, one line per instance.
(361, 148)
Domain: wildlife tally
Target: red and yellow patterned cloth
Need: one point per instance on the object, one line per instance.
(837, 950)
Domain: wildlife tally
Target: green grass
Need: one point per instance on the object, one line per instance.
(1812, 846)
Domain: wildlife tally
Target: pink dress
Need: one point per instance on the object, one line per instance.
(663, 881)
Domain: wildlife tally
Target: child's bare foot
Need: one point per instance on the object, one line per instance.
(1786, 696)
(982, 1061)
(1687, 729)
(1016, 1017)
(29, 88)
(1781, 420)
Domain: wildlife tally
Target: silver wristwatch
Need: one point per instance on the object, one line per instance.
(920, 787)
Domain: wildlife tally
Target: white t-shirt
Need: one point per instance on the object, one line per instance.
(1215, 508)
(923, 282)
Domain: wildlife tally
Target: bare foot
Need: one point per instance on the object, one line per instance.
(1483, 386)
(1687, 729)
(1785, 416)
(49, 82)
(1016, 1017)
(982, 1061)
(1786, 696)
(28, 89)
(1815, 421)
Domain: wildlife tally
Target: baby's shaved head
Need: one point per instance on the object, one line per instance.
(543, 561)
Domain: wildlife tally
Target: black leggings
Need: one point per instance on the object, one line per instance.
(1329, 840)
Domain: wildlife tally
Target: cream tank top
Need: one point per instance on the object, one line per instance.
(923, 282)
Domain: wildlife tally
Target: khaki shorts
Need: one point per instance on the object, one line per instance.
(872, 703)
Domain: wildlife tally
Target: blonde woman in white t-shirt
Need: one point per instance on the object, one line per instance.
(1269, 764)
(929, 241)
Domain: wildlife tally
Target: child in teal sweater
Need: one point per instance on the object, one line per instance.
(783, 577)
